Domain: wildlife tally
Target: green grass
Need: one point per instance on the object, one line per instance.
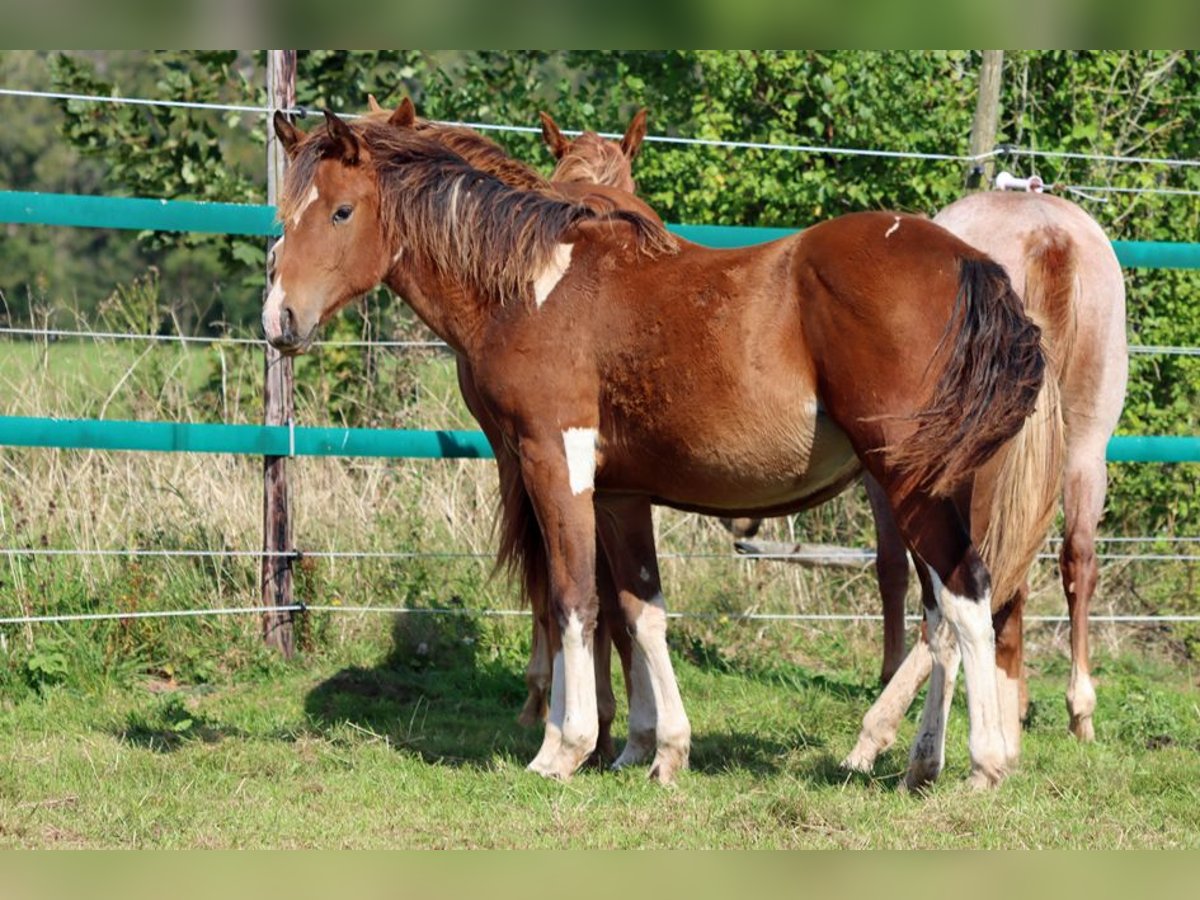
(366, 748)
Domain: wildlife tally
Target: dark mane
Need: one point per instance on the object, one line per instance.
(459, 217)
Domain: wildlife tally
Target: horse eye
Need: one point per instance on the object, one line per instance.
(342, 214)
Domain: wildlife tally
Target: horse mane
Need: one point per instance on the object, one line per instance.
(593, 160)
(457, 216)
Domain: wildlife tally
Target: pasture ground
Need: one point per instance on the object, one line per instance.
(365, 750)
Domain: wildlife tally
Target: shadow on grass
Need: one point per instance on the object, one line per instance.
(171, 726)
(432, 695)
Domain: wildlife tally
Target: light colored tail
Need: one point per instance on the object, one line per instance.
(1029, 481)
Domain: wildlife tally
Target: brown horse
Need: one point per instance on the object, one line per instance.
(612, 357)
(1072, 281)
(519, 551)
(590, 159)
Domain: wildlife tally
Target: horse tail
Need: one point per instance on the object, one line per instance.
(1029, 481)
(1025, 495)
(522, 553)
(989, 384)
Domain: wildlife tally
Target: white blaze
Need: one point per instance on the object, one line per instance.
(580, 446)
(545, 283)
(313, 194)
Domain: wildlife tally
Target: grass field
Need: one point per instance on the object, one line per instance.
(366, 750)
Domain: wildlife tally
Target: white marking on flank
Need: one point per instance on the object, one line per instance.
(580, 444)
(313, 194)
(891, 230)
(545, 283)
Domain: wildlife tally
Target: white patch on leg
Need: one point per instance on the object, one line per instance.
(580, 445)
(545, 283)
(893, 229)
(972, 623)
(313, 194)
(572, 725)
(551, 749)
(1009, 695)
(643, 714)
(644, 574)
(928, 756)
(882, 720)
(1081, 702)
(673, 732)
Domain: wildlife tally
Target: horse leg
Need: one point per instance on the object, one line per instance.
(891, 570)
(606, 703)
(565, 512)
(882, 720)
(928, 754)
(962, 591)
(657, 720)
(537, 675)
(1008, 623)
(1083, 504)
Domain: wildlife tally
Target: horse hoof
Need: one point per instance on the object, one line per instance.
(1081, 727)
(861, 759)
(667, 763)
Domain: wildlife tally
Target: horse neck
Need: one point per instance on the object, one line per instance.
(453, 311)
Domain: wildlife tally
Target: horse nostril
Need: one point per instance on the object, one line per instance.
(287, 322)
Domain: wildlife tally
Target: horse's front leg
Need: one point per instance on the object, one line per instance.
(559, 475)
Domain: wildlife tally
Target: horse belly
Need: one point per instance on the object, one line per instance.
(774, 458)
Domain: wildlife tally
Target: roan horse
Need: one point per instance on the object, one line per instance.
(1072, 282)
(612, 357)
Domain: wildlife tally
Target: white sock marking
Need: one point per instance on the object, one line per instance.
(545, 283)
(1009, 690)
(928, 756)
(972, 623)
(672, 728)
(580, 444)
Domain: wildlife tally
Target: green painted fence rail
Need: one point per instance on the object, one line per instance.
(140, 214)
(255, 440)
(276, 440)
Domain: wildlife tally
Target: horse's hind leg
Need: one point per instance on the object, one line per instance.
(606, 703)
(882, 721)
(891, 570)
(1083, 504)
(962, 591)
(657, 721)
(1008, 623)
(928, 754)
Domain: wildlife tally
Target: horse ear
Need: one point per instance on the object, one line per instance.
(289, 135)
(373, 104)
(340, 132)
(405, 115)
(634, 134)
(553, 137)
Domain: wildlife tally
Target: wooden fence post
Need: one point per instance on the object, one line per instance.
(277, 402)
(987, 120)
